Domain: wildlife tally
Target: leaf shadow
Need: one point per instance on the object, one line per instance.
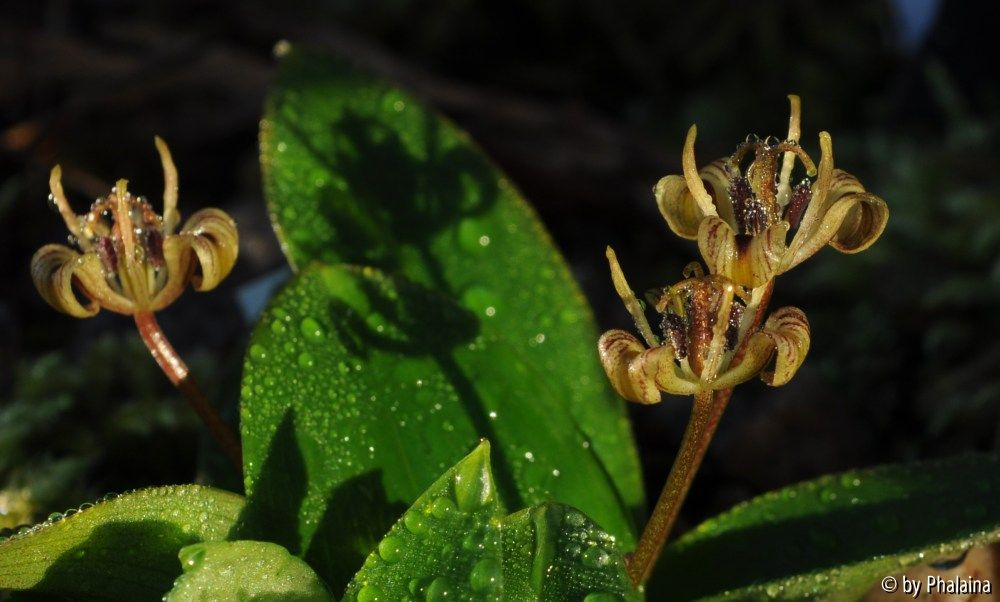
(431, 325)
(822, 540)
(271, 511)
(105, 567)
(393, 196)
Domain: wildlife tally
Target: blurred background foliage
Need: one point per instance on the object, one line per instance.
(585, 104)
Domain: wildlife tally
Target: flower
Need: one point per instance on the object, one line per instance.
(708, 341)
(127, 258)
(741, 218)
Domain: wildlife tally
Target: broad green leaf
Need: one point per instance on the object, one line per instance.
(454, 543)
(360, 389)
(838, 535)
(357, 171)
(446, 544)
(121, 549)
(237, 571)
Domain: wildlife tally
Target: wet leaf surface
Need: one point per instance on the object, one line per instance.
(454, 543)
(360, 389)
(121, 549)
(224, 571)
(836, 535)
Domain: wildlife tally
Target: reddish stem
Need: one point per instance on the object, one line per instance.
(177, 371)
(706, 412)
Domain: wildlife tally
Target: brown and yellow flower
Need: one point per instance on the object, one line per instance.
(128, 259)
(742, 217)
(708, 341)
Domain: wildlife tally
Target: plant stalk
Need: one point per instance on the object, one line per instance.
(706, 412)
(177, 371)
(705, 415)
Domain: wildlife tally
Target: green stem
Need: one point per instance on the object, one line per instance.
(177, 371)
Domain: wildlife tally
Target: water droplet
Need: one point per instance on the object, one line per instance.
(485, 575)
(306, 360)
(850, 480)
(192, 556)
(390, 549)
(827, 495)
(257, 352)
(773, 589)
(278, 327)
(481, 300)
(602, 597)
(311, 330)
(443, 508)
(472, 236)
(370, 593)
(595, 557)
(439, 589)
(415, 522)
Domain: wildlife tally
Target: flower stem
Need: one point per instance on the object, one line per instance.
(706, 412)
(177, 371)
(705, 415)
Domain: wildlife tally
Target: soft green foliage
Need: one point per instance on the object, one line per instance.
(839, 533)
(237, 571)
(123, 548)
(356, 171)
(454, 543)
(359, 386)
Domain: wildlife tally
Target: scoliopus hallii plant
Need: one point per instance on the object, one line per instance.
(428, 314)
(713, 331)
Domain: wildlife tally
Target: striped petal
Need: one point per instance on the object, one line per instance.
(639, 374)
(783, 339)
(841, 214)
(57, 269)
(212, 234)
(680, 209)
(747, 261)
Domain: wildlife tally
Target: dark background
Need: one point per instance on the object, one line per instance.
(585, 104)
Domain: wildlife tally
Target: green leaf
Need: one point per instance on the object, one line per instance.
(360, 389)
(121, 549)
(447, 543)
(454, 543)
(357, 171)
(224, 571)
(836, 535)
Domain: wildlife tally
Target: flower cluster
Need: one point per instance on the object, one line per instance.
(128, 259)
(712, 332)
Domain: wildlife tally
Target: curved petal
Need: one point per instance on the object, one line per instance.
(853, 221)
(212, 235)
(759, 350)
(678, 207)
(178, 266)
(717, 178)
(788, 329)
(682, 211)
(784, 338)
(747, 261)
(692, 177)
(55, 269)
(638, 374)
